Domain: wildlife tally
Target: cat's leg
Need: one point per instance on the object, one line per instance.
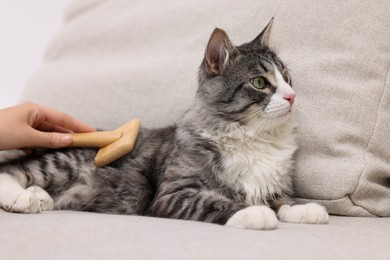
(311, 213)
(22, 182)
(6, 156)
(14, 198)
(209, 206)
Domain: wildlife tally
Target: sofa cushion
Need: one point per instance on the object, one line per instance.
(114, 60)
(79, 235)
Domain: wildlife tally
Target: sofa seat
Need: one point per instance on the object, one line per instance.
(83, 235)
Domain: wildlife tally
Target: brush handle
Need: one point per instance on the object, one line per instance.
(122, 146)
(95, 139)
(112, 144)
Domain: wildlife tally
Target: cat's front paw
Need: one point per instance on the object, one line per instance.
(45, 201)
(20, 201)
(254, 217)
(311, 213)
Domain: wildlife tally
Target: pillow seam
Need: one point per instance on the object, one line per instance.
(374, 130)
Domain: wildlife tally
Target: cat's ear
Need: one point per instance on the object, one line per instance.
(264, 37)
(217, 54)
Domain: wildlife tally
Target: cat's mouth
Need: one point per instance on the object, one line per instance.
(279, 110)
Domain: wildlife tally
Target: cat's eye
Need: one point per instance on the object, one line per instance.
(287, 78)
(258, 83)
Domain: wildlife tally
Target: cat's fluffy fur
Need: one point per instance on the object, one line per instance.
(227, 161)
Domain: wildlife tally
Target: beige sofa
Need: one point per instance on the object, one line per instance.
(114, 60)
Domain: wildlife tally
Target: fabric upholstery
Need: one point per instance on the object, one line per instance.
(79, 235)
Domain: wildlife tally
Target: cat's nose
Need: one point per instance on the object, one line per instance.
(290, 98)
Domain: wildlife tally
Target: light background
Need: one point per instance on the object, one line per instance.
(26, 28)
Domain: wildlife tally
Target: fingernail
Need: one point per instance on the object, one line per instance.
(66, 140)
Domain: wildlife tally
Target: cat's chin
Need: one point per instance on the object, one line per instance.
(280, 119)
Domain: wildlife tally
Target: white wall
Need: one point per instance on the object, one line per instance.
(26, 28)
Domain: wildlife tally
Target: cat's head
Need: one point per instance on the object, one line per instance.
(248, 84)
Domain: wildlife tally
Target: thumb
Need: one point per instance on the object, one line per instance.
(50, 140)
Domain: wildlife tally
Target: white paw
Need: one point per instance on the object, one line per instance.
(254, 217)
(45, 201)
(20, 201)
(311, 213)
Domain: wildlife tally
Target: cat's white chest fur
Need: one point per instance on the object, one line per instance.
(258, 167)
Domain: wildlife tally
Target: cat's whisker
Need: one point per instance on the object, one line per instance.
(261, 129)
(257, 124)
(267, 122)
(252, 114)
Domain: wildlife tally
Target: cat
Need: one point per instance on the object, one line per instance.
(228, 160)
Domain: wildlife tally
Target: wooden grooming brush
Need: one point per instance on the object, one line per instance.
(112, 144)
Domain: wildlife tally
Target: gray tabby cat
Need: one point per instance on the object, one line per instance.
(228, 160)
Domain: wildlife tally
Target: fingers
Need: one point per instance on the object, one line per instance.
(65, 121)
(47, 127)
(48, 116)
(49, 140)
(32, 125)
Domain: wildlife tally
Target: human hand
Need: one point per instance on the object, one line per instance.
(31, 125)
